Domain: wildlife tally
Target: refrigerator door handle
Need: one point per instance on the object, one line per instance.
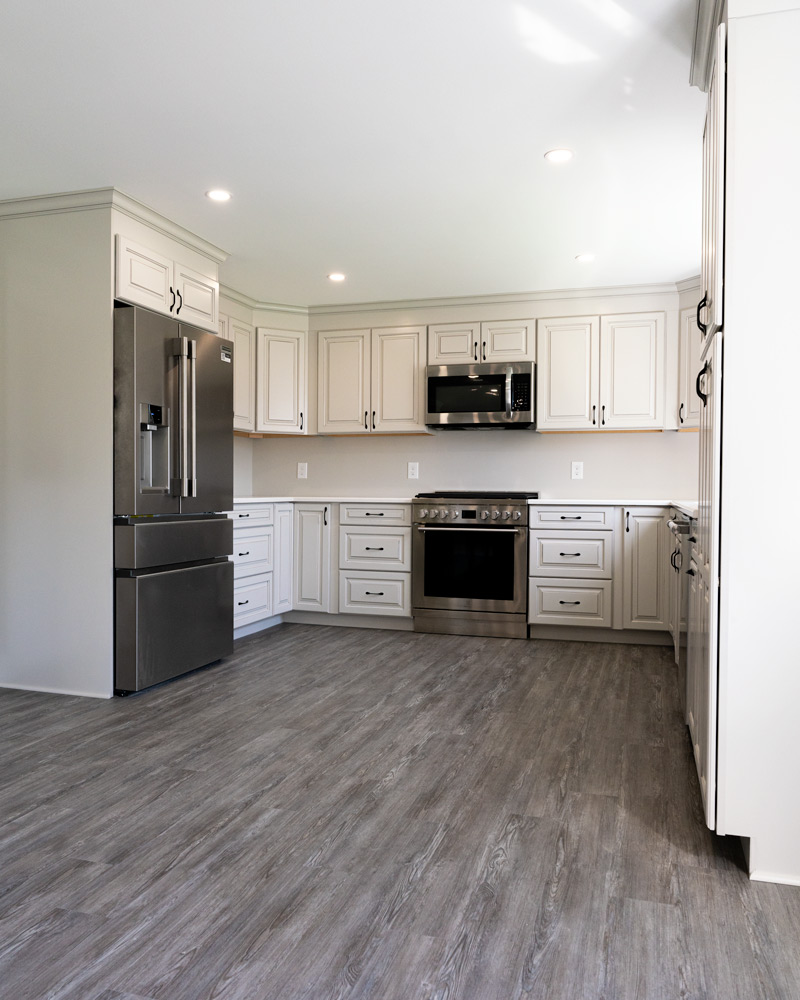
(192, 435)
(185, 351)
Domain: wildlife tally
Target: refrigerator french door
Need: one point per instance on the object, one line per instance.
(173, 475)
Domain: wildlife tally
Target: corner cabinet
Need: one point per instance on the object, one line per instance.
(281, 380)
(601, 373)
(371, 381)
(645, 543)
(468, 343)
(244, 360)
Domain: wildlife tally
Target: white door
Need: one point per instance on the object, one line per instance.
(568, 373)
(645, 563)
(398, 376)
(284, 558)
(312, 557)
(515, 341)
(344, 382)
(691, 345)
(632, 371)
(244, 374)
(711, 258)
(453, 343)
(196, 298)
(143, 276)
(280, 381)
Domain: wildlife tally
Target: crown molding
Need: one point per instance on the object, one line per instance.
(688, 284)
(83, 201)
(476, 300)
(709, 15)
(250, 303)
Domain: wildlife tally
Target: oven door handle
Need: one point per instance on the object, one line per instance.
(458, 527)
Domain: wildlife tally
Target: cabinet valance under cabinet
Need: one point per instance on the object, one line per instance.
(601, 372)
(371, 381)
(148, 278)
(469, 343)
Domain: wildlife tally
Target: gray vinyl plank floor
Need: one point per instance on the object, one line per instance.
(343, 814)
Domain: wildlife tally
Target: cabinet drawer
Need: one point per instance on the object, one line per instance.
(252, 552)
(252, 599)
(569, 602)
(367, 548)
(374, 514)
(375, 593)
(571, 553)
(252, 517)
(581, 518)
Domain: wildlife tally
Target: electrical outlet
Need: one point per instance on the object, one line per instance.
(577, 470)
(302, 470)
(413, 470)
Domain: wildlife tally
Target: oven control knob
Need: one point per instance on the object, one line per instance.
(434, 513)
(517, 515)
(443, 514)
(484, 515)
(423, 514)
(506, 515)
(495, 514)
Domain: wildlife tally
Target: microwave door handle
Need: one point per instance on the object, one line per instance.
(508, 394)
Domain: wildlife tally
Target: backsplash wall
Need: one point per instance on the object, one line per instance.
(624, 466)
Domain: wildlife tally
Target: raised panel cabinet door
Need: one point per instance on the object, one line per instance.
(312, 557)
(196, 298)
(143, 276)
(284, 558)
(398, 372)
(244, 374)
(508, 341)
(632, 371)
(280, 381)
(691, 346)
(453, 343)
(344, 382)
(713, 215)
(645, 565)
(568, 373)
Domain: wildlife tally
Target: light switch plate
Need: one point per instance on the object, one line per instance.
(413, 470)
(577, 470)
(302, 470)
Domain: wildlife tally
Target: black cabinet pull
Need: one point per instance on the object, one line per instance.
(366, 420)
(569, 602)
(690, 571)
(680, 413)
(180, 306)
(243, 515)
(369, 513)
(627, 520)
(703, 395)
(603, 414)
(373, 420)
(301, 421)
(475, 346)
(244, 553)
(325, 515)
(172, 304)
(240, 603)
(571, 517)
(484, 350)
(672, 559)
(569, 553)
(374, 593)
(373, 548)
(594, 414)
(703, 302)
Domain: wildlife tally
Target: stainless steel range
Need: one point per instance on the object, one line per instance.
(470, 563)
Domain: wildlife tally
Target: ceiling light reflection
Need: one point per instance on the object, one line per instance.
(547, 41)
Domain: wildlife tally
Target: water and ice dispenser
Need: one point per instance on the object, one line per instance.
(154, 464)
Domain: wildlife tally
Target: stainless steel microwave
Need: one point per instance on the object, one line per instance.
(481, 395)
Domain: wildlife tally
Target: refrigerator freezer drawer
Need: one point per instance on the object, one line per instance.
(170, 622)
(160, 543)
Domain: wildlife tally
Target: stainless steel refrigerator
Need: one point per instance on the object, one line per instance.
(173, 475)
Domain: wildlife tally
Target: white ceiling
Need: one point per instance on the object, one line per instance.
(398, 141)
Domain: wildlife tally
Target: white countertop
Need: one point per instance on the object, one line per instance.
(322, 499)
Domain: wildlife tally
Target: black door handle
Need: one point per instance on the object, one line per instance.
(484, 350)
(325, 515)
(301, 421)
(373, 420)
(594, 414)
(366, 420)
(180, 305)
(172, 304)
(700, 305)
(475, 346)
(569, 602)
(680, 413)
(627, 520)
(703, 395)
(603, 414)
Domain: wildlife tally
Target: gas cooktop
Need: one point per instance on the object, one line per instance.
(478, 495)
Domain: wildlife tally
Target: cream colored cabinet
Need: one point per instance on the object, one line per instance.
(468, 343)
(691, 347)
(253, 562)
(284, 558)
(148, 278)
(710, 308)
(281, 380)
(244, 360)
(222, 325)
(601, 373)
(375, 559)
(645, 548)
(312, 556)
(371, 381)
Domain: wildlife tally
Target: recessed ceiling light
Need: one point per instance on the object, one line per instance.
(558, 155)
(584, 258)
(218, 195)
(336, 276)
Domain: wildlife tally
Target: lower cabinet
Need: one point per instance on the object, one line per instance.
(645, 546)
(262, 561)
(312, 556)
(375, 559)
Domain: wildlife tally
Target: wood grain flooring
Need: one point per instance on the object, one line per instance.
(343, 814)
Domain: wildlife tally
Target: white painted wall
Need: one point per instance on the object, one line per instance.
(56, 453)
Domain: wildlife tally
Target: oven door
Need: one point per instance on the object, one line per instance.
(469, 569)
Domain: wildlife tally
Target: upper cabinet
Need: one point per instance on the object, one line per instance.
(691, 347)
(281, 381)
(601, 373)
(371, 381)
(709, 309)
(147, 278)
(471, 343)
(244, 366)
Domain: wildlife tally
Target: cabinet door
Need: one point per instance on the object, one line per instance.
(143, 276)
(453, 343)
(645, 565)
(344, 382)
(196, 298)
(244, 371)
(711, 258)
(312, 557)
(568, 373)
(691, 345)
(284, 557)
(398, 368)
(280, 381)
(508, 341)
(632, 371)
(222, 326)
